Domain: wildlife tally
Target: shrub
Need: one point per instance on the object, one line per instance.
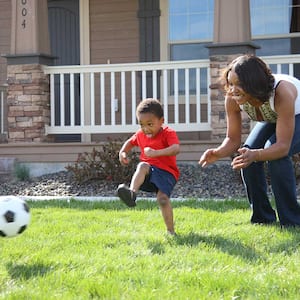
(104, 164)
(21, 172)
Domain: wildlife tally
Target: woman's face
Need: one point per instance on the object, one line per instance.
(237, 93)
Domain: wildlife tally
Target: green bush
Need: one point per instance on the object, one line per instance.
(104, 164)
(21, 172)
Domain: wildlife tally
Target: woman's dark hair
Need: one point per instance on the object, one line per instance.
(254, 75)
(152, 106)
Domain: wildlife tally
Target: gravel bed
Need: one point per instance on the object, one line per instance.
(215, 181)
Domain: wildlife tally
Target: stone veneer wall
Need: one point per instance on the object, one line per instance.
(218, 116)
(28, 101)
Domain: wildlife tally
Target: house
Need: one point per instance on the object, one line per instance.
(72, 71)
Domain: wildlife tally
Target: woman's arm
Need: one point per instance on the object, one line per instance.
(232, 140)
(234, 129)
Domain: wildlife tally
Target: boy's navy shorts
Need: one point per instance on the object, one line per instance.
(159, 179)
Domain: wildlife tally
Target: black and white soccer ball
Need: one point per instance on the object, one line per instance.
(14, 216)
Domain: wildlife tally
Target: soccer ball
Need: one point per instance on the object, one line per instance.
(14, 216)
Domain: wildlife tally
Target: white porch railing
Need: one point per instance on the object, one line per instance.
(286, 64)
(103, 98)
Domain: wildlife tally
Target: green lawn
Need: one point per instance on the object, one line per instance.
(103, 250)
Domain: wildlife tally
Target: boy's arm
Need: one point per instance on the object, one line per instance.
(169, 151)
(127, 146)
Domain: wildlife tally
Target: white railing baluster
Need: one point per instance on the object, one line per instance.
(112, 98)
(102, 98)
(123, 98)
(154, 83)
(187, 95)
(52, 100)
(165, 95)
(144, 84)
(208, 96)
(291, 69)
(72, 100)
(278, 68)
(176, 110)
(82, 90)
(198, 96)
(92, 93)
(133, 97)
(62, 100)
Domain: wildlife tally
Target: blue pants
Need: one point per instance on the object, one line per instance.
(282, 176)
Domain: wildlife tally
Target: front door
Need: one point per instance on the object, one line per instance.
(65, 47)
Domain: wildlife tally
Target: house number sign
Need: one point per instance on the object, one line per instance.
(24, 12)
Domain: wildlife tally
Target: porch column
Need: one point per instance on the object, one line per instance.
(232, 37)
(28, 87)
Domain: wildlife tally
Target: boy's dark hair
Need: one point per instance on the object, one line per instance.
(150, 105)
(254, 75)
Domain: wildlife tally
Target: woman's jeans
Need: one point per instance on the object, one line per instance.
(282, 176)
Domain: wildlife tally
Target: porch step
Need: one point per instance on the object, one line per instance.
(7, 165)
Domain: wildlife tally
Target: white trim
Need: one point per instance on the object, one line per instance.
(164, 37)
(84, 24)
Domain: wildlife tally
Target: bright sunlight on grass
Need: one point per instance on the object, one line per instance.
(103, 250)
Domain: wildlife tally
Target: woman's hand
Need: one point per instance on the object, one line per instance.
(208, 157)
(245, 158)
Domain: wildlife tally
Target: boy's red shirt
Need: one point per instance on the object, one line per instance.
(165, 138)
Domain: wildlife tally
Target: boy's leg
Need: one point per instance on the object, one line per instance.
(128, 195)
(166, 210)
(138, 178)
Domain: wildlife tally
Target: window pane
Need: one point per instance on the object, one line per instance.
(283, 46)
(200, 25)
(191, 19)
(178, 7)
(189, 51)
(178, 28)
(274, 17)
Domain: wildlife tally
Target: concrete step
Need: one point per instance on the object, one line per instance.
(7, 165)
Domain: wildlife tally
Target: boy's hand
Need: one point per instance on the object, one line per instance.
(149, 152)
(123, 158)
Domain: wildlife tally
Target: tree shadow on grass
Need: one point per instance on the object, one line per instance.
(143, 204)
(226, 245)
(26, 271)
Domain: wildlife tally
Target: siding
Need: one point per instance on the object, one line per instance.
(114, 31)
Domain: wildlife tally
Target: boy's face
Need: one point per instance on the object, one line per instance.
(150, 124)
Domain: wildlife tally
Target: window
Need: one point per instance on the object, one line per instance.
(190, 31)
(190, 28)
(275, 26)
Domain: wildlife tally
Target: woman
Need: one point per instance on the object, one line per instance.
(274, 101)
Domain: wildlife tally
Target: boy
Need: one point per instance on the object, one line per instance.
(157, 171)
